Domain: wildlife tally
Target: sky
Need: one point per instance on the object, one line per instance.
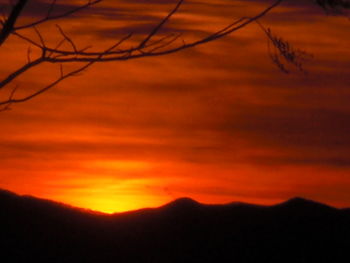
(217, 123)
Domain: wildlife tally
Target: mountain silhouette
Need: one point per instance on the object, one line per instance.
(298, 230)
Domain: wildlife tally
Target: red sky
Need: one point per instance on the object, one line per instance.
(217, 123)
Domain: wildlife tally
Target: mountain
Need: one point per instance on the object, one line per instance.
(298, 230)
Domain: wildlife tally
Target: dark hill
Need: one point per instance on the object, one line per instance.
(298, 230)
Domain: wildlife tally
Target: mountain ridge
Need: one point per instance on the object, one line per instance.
(179, 203)
(181, 231)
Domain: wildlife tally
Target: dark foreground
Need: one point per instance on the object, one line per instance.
(34, 230)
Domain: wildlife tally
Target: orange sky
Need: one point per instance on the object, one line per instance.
(217, 123)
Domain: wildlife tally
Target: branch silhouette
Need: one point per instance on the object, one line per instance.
(154, 44)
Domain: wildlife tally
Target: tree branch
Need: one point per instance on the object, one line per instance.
(160, 25)
(48, 17)
(20, 71)
(9, 23)
(146, 48)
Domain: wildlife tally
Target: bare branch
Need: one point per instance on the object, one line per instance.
(35, 94)
(283, 51)
(48, 17)
(40, 37)
(29, 40)
(20, 71)
(9, 23)
(8, 106)
(148, 47)
(129, 54)
(62, 77)
(160, 25)
(164, 44)
(70, 41)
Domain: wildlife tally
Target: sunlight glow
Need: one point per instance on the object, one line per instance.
(111, 196)
(121, 165)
